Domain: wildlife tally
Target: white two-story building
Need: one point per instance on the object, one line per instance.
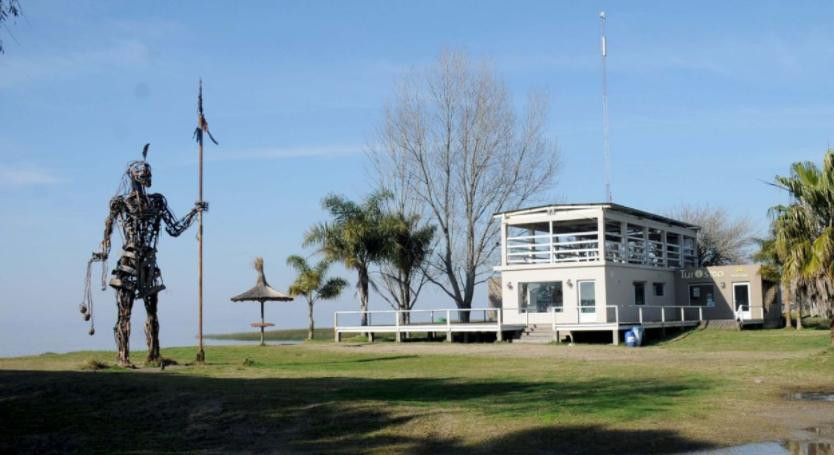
(604, 266)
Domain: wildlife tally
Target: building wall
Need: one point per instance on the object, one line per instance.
(722, 279)
(510, 292)
(615, 286)
(620, 290)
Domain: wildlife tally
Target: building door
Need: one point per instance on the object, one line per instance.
(741, 300)
(587, 301)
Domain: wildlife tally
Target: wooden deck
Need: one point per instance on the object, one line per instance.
(490, 320)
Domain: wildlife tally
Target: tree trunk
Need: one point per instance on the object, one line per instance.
(363, 293)
(311, 325)
(798, 314)
(786, 303)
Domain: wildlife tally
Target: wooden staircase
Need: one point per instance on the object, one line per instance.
(537, 334)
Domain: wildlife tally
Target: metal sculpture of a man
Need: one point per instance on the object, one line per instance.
(136, 276)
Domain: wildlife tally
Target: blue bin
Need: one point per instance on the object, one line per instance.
(630, 339)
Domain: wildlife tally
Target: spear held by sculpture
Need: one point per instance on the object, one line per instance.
(202, 128)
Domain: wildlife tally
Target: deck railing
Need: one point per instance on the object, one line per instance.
(439, 320)
(645, 314)
(753, 311)
(556, 248)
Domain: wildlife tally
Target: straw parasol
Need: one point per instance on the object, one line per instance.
(261, 292)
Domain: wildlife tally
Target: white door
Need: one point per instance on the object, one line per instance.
(587, 301)
(741, 300)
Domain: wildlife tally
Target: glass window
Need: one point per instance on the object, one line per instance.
(690, 253)
(540, 297)
(658, 289)
(636, 244)
(639, 293)
(701, 295)
(587, 296)
(673, 249)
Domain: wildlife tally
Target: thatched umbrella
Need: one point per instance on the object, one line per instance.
(261, 293)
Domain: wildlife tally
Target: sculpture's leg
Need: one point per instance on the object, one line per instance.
(121, 331)
(152, 328)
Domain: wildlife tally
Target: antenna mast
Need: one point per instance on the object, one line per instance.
(605, 145)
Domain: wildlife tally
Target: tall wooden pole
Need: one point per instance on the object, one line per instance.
(202, 128)
(262, 323)
(201, 354)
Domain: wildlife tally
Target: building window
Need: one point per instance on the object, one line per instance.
(658, 289)
(540, 297)
(690, 252)
(639, 293)
(701, 295)
(587, 296)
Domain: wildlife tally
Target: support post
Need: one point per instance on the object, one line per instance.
(500, 334)
(616, 335)
(503, 242)
(370, 337)
(663, 320)
(448, 326)
(640, 315)
(398, 336)
(701, 314)
(262, 323)
(337, 336)
(601, 236)
(683, 315)
(551, 256)
(624, 241)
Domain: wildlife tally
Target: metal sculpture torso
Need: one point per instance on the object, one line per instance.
(136, 275)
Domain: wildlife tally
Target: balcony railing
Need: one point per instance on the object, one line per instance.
(556, 248)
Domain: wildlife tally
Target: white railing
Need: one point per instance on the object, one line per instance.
(669, 313)
(438, 320)
(566, 317)
(556, 248)
(751, 313)
(645, 314)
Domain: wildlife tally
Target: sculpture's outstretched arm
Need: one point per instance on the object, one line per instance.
(174, 226)
(116, 207)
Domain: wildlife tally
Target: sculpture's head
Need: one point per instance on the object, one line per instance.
(140, 171)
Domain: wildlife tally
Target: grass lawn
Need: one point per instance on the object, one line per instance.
(274, 335)
(704, 389)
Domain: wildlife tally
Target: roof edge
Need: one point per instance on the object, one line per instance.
(610, 205)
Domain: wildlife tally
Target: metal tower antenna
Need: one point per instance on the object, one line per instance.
(605, 145)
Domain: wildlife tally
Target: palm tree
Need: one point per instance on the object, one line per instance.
(771, 270)
(407, 247)
(805, 233)
(353, 237)
(313, 284)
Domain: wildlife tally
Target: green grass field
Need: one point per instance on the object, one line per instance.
(274, 335)
(703, 389)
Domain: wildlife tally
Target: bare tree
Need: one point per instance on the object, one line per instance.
(9, 9)
(723, 239)
(452, 148)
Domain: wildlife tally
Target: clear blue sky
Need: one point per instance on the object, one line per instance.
(705, 103)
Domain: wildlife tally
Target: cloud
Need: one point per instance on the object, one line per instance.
(277, 153)
(27, 175)
(26, 68)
